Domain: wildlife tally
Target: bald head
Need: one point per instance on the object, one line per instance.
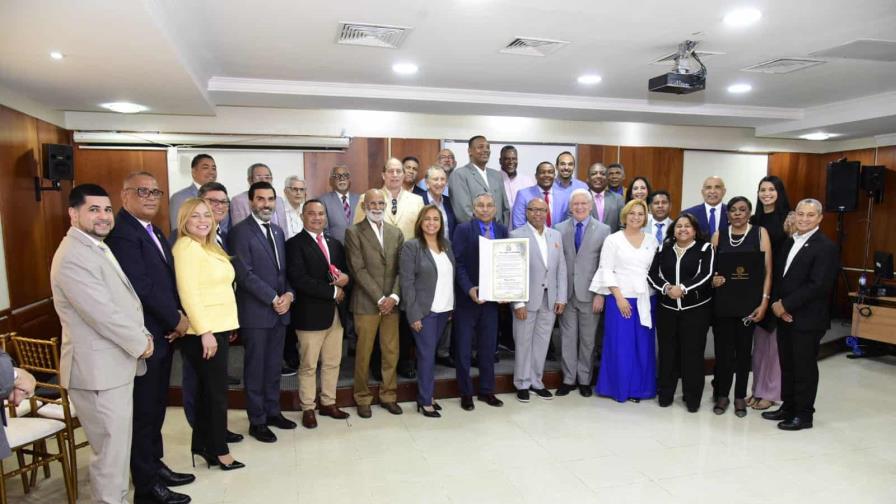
(713, 190)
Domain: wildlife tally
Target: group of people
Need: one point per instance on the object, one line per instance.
(398, 268)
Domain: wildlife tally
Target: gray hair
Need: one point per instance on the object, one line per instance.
(434, 168)
(292, 178)
(483, 195)
(333, 170)
(811, 201)
(580, 192)
(252, 168)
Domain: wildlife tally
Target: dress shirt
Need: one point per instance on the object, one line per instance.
(483, 172)
(314, 237)
(602, 208)
(799, 241)
(440, 204)
(513, 185)
(378, 231)
(264, 231)
(619, 190)
(651, 227)
(443, 300)
(294, 224)
(706, 207)
(625, 267)
(542, 242)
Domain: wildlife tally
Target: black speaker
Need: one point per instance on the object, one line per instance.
(58, 162)
(873, 182)
(842, 186)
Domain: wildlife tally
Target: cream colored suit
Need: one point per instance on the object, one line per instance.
(102, 339)
(408, 208)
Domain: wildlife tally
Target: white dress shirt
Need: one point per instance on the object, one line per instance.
(799, 241)
(707, 206)
(542, 242)
(294, 224)
(443, 300)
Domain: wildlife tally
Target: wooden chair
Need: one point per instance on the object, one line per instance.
(41, 358)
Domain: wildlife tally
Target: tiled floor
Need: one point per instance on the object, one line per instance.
(569, 450)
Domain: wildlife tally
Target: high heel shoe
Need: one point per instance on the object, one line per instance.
(436, 406)
(209, 459)
(428, 413)
(236, 464)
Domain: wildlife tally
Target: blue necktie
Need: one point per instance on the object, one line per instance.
(659, 232)
(579, 232)
(712, 221)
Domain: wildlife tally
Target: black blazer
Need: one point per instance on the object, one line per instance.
(693, 271)
(806, 288)
(418, 274)
(150, 271)
(307, 270)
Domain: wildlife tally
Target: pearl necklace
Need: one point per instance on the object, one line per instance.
(736, 243)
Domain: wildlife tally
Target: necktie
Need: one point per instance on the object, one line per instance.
(712, 221)
(334, 271)
(219, 237)
(580, 230)
(659, 232)
(267, 227)
(547, 199)
(155, 239)
(599, 205)
(347, 209)
(485, 230)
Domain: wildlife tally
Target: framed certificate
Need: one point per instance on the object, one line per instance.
(504, 269)
(744, 274)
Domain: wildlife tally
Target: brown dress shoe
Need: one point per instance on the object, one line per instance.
(333, 412)
(308, 419)
(391, 407)
(364, 411)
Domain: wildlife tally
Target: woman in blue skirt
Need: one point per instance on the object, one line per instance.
(628, 359)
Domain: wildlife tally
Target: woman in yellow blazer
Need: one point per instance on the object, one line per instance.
(205, 286)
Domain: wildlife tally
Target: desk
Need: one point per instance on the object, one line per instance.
(881, 324)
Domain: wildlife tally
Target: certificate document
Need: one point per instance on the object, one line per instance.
(504, 269)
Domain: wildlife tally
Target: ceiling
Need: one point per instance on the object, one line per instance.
(188, 57)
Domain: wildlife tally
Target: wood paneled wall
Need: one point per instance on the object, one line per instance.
(426, 150)
(364, 158)
(590, 154)
(662, 166)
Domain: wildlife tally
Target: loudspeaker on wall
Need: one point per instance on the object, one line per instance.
(58, 162)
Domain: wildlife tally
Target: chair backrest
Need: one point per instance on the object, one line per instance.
(37, 355)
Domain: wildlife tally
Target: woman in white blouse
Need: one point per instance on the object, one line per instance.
(426, 272)
(628, 366)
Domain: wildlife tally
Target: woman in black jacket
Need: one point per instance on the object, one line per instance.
(682, 272)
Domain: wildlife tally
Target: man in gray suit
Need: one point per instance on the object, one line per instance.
(241, 206)
(533, 321)
(203, 169)
(583, 239)
(466, 182)
(104, 341)
(607, 204)
(340, 203)
(16, 385)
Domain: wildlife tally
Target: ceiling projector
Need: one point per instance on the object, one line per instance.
(682, 79)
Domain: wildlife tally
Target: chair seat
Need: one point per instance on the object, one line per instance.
(22, 431)
(55, 411)
(22, 409)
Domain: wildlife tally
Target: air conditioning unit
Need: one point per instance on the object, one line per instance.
(135, 139)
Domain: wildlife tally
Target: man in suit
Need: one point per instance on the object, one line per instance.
(659, 222)
(475, 178)
(583, 238)
(474, 318)
(545, 189)
(373, 247)
(16, 385)
(203, 169)
(533, 320)
(514, 181)
(263, 300)
(340, 203)
(145, 257)
(448, 162)
(437, 181)
(616, 179)
(316, 270)
(805, 274)
(104, 340)
(411, 166)
(241, 204)
(712, 214)
(607, 204)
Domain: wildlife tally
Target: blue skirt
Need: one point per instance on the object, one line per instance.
(628, 359)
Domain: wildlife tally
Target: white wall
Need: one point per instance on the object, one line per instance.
(232, 166)
(529, 155)
(741, 173)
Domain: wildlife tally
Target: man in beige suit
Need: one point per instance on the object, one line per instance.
(103, 338)
(402, 207)
(373, 248)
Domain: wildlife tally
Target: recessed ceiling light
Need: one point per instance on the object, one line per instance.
(742, 17)
(56, 55)
(818, 135)
(590, 79)
(124, 107)
(404, 68)
(739, 88)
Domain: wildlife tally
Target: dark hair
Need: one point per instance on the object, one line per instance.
(698, 233)
(211, 186)
(260, 185)
(782, 204)
(79, 194)
(557, 162)
(410, 158)
(738, 199)
(628, 193)
(199, 157)
(441, 242)
(659, 192)
(616, 165)
(507, 148)
(314, 200)
(473, 139)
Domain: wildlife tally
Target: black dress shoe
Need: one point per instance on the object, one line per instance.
(522, 395)
(262, 433)
(795, 424)
(491, 400)
(159, 494)
(777, 415)
(172, 479)
(466, 402)
(564, 389)
(288, 371)
(543, 393)
(665, 402)
(281, 422)
(585, 391)
(233, 437)
(446, 361)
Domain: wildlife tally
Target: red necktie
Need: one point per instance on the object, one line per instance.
(547, 199)
(320, 243)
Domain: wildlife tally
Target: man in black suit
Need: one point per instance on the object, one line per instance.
(316, 268)
(805, 273)
(263, 299)
(145, 257)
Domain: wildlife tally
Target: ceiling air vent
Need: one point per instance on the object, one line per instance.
(670, 58)
(863, 49)
(533, 46)
(783, 65)
(372, 35)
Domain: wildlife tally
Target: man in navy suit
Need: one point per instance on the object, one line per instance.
(145, 257)
(263, 299)
(436, 183)
(712, 214)
(474, 316)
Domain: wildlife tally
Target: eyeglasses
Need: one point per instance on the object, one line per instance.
(537, 210)
(218, 202)
(146, 193)
(394, 206)
(342, 176)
